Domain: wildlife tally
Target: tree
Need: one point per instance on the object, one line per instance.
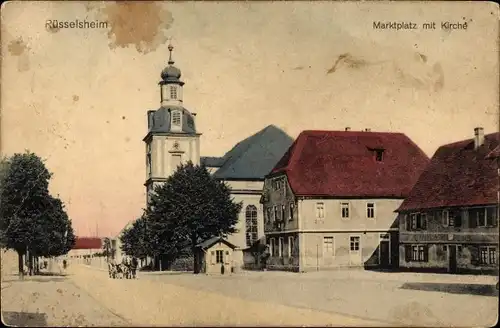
(107, 248)
(30, 218)
(135, 240)
(190, 207)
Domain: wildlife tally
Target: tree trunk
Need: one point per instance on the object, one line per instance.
(20, 262)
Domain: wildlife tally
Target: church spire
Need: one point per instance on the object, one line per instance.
(170, 49)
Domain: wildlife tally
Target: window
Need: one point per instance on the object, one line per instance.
(290, 246)
(275, 248)
(176, 118)
(488, 255)
(379, 155)
(271, 246)
(280, 246)
(483, 217)
(320, 210)
(345, 210)
(292, 206)
(219, 256)
(354, 243)
(459, 248)
(328, 246)
(283, 212)
(176, 161)
(418, 253)
(445, 248)
(370, 210)
(445, 215)
(173, 92)
(251, 225)
(417, 221)
(275, 216)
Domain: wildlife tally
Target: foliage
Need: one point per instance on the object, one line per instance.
(190, 207)
(30, 217)
(107, 249)
(135, 241)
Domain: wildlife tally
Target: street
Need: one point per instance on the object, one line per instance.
(87, 297)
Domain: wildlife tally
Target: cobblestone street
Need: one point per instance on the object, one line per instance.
(87, 297)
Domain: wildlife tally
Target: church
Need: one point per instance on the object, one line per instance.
(172, 139)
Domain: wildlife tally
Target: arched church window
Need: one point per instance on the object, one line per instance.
(173, 92)
(251, 224)
(176, 118)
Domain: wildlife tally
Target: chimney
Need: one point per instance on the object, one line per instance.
(348, 129)
(478, 137)
(368, 130)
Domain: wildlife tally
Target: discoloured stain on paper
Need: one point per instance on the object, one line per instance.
(20, 49)
(421, 76)
(350, 61)
(140, 24)
(17, 47)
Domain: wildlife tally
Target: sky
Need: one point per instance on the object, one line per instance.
(78, 97)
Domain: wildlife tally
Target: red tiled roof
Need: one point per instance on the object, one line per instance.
(87, 243)
(342, 164)
(458, 175)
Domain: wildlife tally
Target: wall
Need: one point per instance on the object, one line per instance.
(385, 217)
(249, 194)
(161, 148)
(283, 196)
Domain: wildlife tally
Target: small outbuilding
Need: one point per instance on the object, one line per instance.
(216, 255)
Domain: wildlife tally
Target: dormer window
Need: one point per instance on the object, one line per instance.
(173, 92)
(379, 155)
(176, 118)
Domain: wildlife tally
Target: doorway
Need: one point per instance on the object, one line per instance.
(384, 250)
(452, 258)
(355, 250)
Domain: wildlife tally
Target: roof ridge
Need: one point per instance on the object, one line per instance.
(489, 135)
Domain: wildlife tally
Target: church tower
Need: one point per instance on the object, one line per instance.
(172, 138)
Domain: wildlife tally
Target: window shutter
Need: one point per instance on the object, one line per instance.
(407, 253)
(212, 257)
(473, 219)
(458, 220)
(489, 217)
(426, 253)
(408, 222)
(423, 218)
(226, 257)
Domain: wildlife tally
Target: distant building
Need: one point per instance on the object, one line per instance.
(451, 215)
(330, 201)
(116, 242)
(216, 256)
(86, 246)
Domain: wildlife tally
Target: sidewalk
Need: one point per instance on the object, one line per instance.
(145, 302)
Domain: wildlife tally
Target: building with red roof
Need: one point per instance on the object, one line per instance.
(331, 199)
(85, 247)
(451, 215)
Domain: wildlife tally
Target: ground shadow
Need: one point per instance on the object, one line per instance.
(470, 289)
(24, 319)
(51, 274)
